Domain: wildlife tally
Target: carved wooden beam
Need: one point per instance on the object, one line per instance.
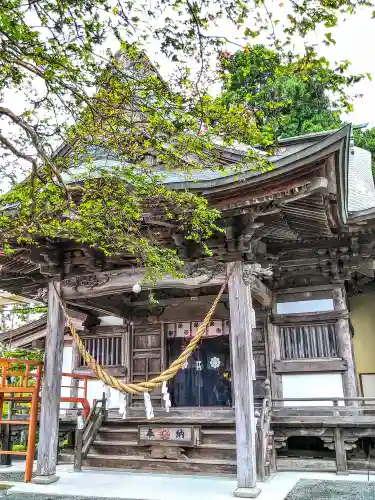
(321, 365)
(198, 275)
(299, 318)
(116, 282)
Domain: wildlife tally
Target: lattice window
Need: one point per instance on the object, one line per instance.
(106, 350)
(308, 341)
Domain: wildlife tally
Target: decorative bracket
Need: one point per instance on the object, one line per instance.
(41, 295)
(250, 276)
(251, 272)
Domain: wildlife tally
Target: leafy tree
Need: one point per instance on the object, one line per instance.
(61, 83)
(289, 96)
(366, 139)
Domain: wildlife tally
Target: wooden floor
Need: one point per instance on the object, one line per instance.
(215, 415)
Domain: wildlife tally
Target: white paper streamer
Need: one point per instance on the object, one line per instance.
(123, 406)
(80, 421)
(166, 397)
(148, 406)
(106, 390)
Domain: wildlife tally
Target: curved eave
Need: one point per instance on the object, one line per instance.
(337, 143)
(362, 216)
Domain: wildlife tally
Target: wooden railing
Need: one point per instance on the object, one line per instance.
(338, 414)
(26, 387)
(86, 435)
(81, 391)
(335, 406)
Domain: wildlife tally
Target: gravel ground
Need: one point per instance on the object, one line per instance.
(15, 477)
(41, 496)
(331, 490)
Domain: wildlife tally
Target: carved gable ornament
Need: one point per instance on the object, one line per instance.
(207, 267)
(89, 281)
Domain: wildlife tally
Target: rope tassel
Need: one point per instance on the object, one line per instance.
(149, 385)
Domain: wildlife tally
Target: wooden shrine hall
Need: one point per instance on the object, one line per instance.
(275, 382)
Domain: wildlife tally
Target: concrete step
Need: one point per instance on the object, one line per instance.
(162, 465)
(218, 436)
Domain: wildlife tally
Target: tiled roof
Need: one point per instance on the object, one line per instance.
(361, 190)
(361, 195)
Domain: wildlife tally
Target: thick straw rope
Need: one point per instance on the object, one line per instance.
(166, 375)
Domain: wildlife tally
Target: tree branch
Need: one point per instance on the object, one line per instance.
(38, 146)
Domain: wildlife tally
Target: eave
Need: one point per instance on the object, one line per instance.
(287, 168)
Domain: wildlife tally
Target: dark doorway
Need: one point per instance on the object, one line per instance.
(206, 378)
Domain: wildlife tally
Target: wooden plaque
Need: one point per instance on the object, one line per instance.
(166, 435)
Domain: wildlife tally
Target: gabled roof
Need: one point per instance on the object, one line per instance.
(26, 334)
(356, 191)
(319, 185)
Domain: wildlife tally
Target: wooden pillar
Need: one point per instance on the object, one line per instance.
(341, 463)
(338, 434)
(344, 345)
(242, 359)
(6, 439)
(76, 361)
(51, 391)
(273, 345)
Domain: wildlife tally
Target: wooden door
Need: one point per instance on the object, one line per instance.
(147, 358)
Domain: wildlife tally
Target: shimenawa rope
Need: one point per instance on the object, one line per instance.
(155, 382)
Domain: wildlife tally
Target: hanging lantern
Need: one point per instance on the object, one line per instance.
(137, 288)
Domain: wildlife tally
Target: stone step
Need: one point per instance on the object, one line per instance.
(189, 465)
(218, 436)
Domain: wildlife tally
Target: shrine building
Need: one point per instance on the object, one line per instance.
(283, 375)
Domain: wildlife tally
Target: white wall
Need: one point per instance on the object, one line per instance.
(95, 390)
(67, 368)
(305, 306)
(312, 385)
(110, 321)
(368, 386)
